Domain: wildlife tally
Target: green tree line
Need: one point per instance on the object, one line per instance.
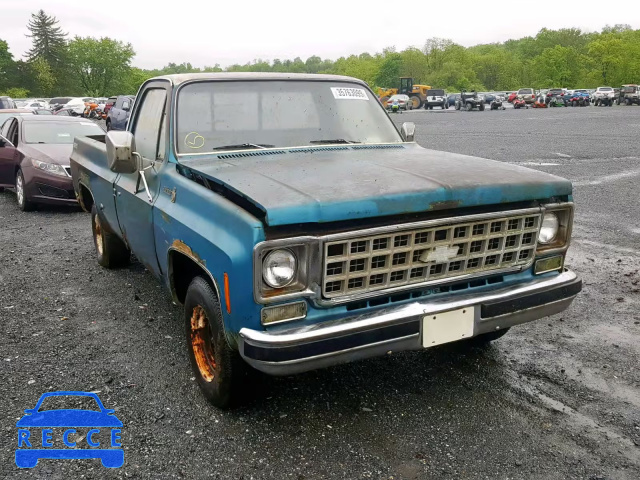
(569, 57)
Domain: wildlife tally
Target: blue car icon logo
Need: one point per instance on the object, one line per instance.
(41, 431)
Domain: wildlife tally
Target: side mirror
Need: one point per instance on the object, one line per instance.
(121, 147)
(408, 131)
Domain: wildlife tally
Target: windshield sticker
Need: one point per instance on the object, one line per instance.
(349, 93)
(194, 140)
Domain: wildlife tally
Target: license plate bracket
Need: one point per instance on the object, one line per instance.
(445, 327)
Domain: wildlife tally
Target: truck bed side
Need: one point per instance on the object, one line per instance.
(92, 179)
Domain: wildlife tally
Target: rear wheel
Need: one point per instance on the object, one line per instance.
(108, 125)
(627, 102)
(481, 107)
(417, 102)
(111, 251)
(469, 107)
(457, 106)
(218, 368)
(21, 195)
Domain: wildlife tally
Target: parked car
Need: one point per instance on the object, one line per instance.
(57, 103)
(452, 98)
(277, 225)
(11, 112)
(35, 105)
(34, 157)
(7, 102)
(66, 112)
(436, 98)
(42, 111)
(78, 105)
(629, 95)
(469, 101)
(559, 94)
(403, 102)
(604, 96)
(527, 94)
(578, 98)
(119, 113)
(109, 103)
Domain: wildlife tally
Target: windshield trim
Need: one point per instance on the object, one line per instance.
(174, 113)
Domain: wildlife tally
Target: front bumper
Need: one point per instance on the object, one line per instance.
(42, 187)
(399, 328)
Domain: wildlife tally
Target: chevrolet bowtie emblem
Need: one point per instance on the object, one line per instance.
(440, 254)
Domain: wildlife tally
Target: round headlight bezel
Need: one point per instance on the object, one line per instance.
(550, 220)
(268, 275)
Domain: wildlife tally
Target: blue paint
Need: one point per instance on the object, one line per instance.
(302, 185)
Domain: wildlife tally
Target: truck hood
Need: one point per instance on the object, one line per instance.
(326, 184)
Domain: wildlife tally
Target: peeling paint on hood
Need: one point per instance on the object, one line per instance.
(324, 186)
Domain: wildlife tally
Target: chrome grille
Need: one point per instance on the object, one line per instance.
(442, 251)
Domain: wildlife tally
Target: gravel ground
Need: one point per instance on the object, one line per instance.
(556, 399)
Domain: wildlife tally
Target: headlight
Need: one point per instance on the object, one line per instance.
(549, 228)
(279, 268)
(52, 168)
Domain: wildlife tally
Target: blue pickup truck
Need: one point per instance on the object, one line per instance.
(300, 228)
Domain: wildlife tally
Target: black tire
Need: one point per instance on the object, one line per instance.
(627, 102)
(219, 370)
(481, 107)
(111, 251)
(469, 107)
(24, 203)
(416, 100)
(108, 125)
(457, 106)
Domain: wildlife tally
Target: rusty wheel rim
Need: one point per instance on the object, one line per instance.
(201, 344)
(99, 237)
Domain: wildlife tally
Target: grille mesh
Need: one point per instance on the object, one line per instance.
(377, 262)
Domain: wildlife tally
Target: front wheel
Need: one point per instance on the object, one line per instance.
(481, 107)
(469, 107)
(218, 368)
(112, 252)
(21, 194)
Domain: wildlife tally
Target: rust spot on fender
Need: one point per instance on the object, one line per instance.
(449, 204)
(182, 247)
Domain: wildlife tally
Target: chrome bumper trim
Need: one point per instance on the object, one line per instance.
(394, 317)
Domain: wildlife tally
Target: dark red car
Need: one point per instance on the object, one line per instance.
(34, 157)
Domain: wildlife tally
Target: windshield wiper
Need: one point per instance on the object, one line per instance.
(243, 146)
(335, 140)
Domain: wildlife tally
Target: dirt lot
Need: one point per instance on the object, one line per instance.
(556, 399)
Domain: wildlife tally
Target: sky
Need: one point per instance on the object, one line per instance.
(208, 32)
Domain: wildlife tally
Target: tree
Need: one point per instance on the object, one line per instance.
(7, 66)
(389, 71)
(102, 66)
(43, 77)
(606, 53)
(49, 41)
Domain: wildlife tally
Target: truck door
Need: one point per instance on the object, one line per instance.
(148, 126)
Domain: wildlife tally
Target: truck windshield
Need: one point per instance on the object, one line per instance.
(256, 114)
(60, 133)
